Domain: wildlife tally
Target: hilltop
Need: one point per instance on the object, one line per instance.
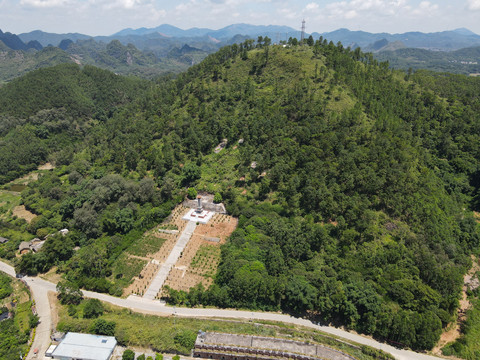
(354, 184)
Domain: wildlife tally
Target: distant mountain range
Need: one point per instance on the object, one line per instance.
(221, 34)
(145, 38)
(445, 40)
(148, 52)
(13, 42)
(113, 56)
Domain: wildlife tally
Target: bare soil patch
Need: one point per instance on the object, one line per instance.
(52, 275)
(52, 299)
(470, 281)
(21, 212)
(141, 282)
(46, 166)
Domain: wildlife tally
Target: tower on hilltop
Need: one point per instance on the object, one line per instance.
(302, 37)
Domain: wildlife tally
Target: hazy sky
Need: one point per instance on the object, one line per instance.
(105, 17)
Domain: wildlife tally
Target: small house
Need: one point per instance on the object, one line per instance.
(24, 247)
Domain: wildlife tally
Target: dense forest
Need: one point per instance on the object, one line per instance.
(359, 210)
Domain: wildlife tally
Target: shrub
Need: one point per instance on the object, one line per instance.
(192, 193)
(217, 198)
(128, 355)
(186, 339)
(141, 357)
(159, 357)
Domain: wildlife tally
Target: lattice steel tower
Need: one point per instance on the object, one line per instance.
(302, 37)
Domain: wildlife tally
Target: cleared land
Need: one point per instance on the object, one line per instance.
(197, 263)
(201, 256)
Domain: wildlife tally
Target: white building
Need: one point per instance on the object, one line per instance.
(76, 346)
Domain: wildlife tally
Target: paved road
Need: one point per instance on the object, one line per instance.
(39, 290)
(42, 335)
(137, 303)
(164, 270)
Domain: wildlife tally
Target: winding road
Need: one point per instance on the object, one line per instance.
(40, 288)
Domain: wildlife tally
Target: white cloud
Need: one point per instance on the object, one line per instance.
(44, 3)
(474, 4)
(354, 8)
(312, 6)
(425, 8)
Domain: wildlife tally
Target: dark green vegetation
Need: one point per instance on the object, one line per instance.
(15, 330)
(463, 61)
(350, 185)
(178, 335)
(47, 111)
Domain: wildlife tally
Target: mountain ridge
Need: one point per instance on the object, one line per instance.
(446, 40)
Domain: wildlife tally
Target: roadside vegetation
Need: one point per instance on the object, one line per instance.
(16, 318)
(168, 334)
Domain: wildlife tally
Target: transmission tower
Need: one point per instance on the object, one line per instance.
(302, 37)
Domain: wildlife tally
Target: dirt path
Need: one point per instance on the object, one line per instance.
(52, 298)
(453, 332)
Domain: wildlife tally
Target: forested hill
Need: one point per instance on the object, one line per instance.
(355, 210)
(354, 185)
(47, 111)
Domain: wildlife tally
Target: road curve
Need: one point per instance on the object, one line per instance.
(40, 287)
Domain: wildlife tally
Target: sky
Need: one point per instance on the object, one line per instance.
(106, 17)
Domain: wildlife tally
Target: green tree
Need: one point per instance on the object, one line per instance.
(69, 293)
(103, 327)
(186, 339)
(93, 309)
(191, 172)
